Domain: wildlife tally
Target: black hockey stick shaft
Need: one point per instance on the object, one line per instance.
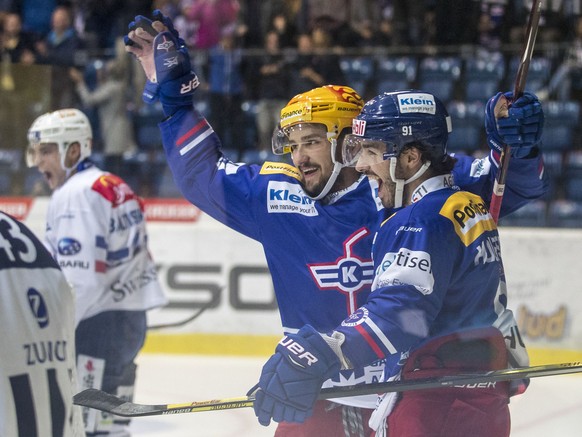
(100, 400)
(519, 87)
(193, 317)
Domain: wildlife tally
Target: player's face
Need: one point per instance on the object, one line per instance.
(46, 157)
(372, 163)
(310, 152)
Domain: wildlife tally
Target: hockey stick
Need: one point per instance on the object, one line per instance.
(100, 400)
(531, 32)
(182, 322)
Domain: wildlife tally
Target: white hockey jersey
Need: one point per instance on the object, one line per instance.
(37, 369)
(97, 233)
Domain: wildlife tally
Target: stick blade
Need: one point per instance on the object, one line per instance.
(99, 400)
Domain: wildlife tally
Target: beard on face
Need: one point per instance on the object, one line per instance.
(314, 189)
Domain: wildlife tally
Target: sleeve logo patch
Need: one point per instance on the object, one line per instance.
(469, 215)
(280, 168)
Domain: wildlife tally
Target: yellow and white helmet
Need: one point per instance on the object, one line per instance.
(62, 127)
(333, 106)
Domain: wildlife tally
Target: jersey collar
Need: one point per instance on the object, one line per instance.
(433, 184)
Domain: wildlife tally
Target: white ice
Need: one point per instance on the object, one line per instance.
(552, 406)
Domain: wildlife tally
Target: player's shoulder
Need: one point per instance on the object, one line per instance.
(468, 214)
(113, 189)
(279, 168)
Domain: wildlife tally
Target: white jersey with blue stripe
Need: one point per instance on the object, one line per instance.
(97, 233)
(37, 310)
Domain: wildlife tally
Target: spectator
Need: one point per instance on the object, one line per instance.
(61, 49)
(111, 99)
(272, 89)
(314, 64)
(212, 17)
(568, 75)
(18, 43)
(285, 30)
(226, 89)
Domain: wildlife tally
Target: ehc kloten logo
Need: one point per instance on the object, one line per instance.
(348, 274)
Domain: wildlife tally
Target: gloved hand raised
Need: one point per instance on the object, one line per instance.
(520, 125)
(165, 60)
(291, 379)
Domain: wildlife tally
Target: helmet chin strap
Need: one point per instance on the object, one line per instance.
(400, 183)
(337, 166)
(71, 169)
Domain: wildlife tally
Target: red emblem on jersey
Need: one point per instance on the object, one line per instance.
(114, 189)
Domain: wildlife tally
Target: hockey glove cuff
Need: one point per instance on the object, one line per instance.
(291, 379)
(175, 77)
(520, 125)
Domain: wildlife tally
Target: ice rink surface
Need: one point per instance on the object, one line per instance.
(551, 407)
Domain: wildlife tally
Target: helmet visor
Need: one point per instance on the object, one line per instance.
(373, 150)
(308, 135)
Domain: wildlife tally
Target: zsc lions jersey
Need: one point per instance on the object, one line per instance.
(97, 233)
(318, 253)
(37, 316)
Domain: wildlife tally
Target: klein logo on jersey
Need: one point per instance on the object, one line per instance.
(283, 197)
(358, 127)
(348, 274)
(416, 102)
(38, 307)
(68, 246)
(412, 267)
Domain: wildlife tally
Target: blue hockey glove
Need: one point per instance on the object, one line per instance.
(177, 82)
(520, 126)
(167, 21)
(291, 379)
(139, 22)
(140, 42)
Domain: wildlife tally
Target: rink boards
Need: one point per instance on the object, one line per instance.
(203, 264)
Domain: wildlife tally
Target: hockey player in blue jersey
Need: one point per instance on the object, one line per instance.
(315, 219)
(438, 299)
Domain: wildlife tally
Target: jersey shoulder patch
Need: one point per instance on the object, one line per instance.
(270, 167)
(469, 216)
(114, 189)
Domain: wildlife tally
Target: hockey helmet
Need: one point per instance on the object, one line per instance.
(392, 120)
(332, 106)
(62, 127)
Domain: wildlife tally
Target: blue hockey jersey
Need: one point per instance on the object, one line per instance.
(438, 270)
(318, 253)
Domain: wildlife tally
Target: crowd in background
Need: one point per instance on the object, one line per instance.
(259, 53)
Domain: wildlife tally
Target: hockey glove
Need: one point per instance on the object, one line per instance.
(520, 126)
(291, 379)
(177, 82)
(139, 42)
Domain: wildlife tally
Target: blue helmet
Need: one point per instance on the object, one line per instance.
(403, 117)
